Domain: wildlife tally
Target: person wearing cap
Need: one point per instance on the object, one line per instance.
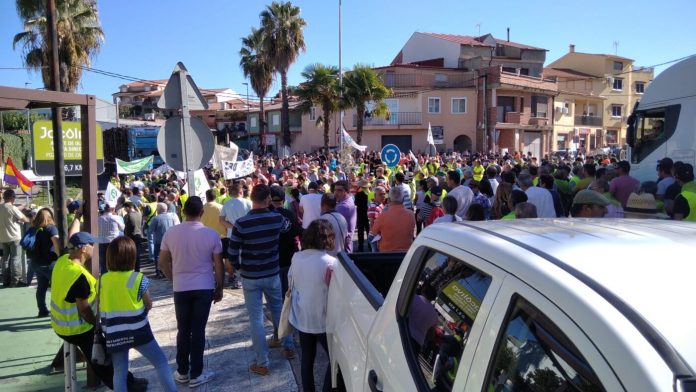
(72, 207)
(73, 294)
(589, 204)
(614, 209)
(10, 235)
(685, 202)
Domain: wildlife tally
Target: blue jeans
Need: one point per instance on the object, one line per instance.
(154, 354)
(11, 268)
(155, 253)
(43, 278)
(192, 309)
(254, 291)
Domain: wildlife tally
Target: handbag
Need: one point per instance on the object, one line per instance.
(284, 326)
(99, 354)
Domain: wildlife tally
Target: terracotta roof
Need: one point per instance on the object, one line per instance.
(567, 73)
(148, 82)
(611, 56)
(474, 41)
(527, 81)
(411, 65)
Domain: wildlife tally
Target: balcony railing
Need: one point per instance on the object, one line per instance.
(394, 80)
(588, 120)
(395, 118)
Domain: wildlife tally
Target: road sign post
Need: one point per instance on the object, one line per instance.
(185, 143)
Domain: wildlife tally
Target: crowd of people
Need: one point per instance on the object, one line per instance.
(279, 230)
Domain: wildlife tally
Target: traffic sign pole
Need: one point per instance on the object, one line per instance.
(186, 133)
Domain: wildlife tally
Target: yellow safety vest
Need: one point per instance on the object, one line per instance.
(689, 193)
(478, 173)
(123, 315)
(65, 317)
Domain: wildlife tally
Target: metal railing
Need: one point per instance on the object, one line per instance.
(588, 120)
(395, 118)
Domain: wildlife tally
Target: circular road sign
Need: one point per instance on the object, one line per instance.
(390, 155)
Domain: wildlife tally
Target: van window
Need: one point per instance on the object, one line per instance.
(533, 354)
(440, 314)
(651, 129)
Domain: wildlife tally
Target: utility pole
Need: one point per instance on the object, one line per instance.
(58, 163)
(340, 84)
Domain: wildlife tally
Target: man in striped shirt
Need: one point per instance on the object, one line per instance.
(253, 251)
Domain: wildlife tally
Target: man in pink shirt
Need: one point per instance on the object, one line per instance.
(190, 256)
(622, 186)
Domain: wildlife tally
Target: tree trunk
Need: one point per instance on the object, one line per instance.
(285, 111)
(360, 110)
(262, 124)
(327, 127)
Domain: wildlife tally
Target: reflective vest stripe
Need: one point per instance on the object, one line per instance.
(71, 323)
(65, 316)
(131, 280)
(65, 312)
(122, 313)
(124, 327)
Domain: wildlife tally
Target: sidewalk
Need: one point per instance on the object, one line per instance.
(27, 346)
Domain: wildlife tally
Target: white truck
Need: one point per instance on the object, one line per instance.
(527, 305)
(664, 122)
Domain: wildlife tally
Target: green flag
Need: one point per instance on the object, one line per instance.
(139, 165)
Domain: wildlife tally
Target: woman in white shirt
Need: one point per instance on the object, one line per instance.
(309, 277)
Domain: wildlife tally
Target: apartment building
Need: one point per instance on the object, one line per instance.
(300, 141)
(600, 93)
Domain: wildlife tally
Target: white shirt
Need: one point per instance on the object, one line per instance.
(234, 209)
(542, 199)
(311, 205)
(308, 278)
(447, 218)
(464, 196)
(494, 185)
(664, 184)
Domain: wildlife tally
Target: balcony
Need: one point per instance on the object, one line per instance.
(395, 118)
(588, 120)
(540, 121)
(394, 80)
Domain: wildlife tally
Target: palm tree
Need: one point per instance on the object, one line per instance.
(79, 38)
(320, 88)
(259, 69)
(360, 86)
(283, 28)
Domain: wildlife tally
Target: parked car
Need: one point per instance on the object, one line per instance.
(541, 305)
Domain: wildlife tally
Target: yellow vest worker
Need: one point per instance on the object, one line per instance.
(123, 314)
(65, 316)
(478, 172)
(689, 193)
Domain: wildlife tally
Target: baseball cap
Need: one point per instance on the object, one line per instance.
(587, 196)
(81, 239)
(74, 206)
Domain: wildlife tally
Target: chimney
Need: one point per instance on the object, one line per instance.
(508, 34)
(571, 48)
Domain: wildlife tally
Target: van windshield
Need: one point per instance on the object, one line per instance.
(652, 128)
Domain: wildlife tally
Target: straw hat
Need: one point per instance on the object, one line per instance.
(642, 206)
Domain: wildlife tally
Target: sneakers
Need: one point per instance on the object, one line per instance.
(260, 370)
(43, 314)
(288, 353)
(273, 343)
(200, 380)
(181, 378)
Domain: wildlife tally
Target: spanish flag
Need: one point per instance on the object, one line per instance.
(14, 176)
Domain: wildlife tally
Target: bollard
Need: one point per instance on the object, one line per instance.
(69, 367)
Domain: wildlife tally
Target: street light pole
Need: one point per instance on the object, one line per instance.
(246, 122)
(28, 110)
(340, 83)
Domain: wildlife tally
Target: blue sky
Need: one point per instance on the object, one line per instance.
(145, 39)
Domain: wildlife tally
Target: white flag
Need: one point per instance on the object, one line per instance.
(430, 135)
(414, 159)
(200, 183)
(112, 194)
(349, 141)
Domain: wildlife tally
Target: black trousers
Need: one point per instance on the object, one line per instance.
(84, 342)
(308, 345)
(192, 309)
(363, 231)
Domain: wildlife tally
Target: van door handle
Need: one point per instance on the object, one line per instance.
(372, 381)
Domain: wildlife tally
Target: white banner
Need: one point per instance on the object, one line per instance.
(429, 138)
(349, 141)
(112, 194)
(161, 170)
(223, 153)
(238, 169)
(200, 183)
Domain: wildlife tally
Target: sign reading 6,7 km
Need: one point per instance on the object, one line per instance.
(42, 140)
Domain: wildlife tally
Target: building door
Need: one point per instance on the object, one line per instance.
(532, 143)
(462, 143)
(402, 141)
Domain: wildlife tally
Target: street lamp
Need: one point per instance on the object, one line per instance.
(246, 123)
